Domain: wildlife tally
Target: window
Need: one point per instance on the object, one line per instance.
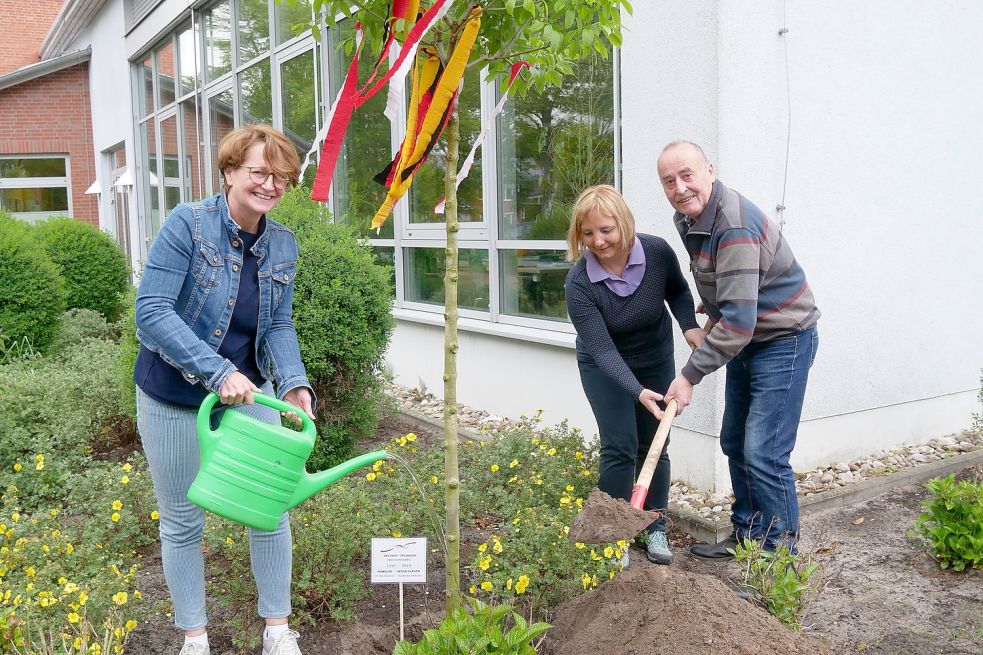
(242, 61)
(33, 187)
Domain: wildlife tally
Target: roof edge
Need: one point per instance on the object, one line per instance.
(42, 68)
(72, 18)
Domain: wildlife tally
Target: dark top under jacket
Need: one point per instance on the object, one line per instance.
(621, 333)
(163, 382)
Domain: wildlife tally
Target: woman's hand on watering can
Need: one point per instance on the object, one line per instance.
(299, 397)
(237, 388)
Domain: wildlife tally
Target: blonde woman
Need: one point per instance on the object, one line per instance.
(620, 293)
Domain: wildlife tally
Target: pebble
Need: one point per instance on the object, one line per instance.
(717, 506)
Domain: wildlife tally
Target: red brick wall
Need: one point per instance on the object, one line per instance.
(23, 26)
(51, 115)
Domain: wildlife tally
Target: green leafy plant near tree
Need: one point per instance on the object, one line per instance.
(952, 522)
(94, 267)
(342, 306)
(33, 297)
(479, 629)
(781, 581)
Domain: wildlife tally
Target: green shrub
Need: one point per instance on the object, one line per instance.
(953, 522)
(342, 313)
(129, 349)
(95, 268)
(33, 296)
(781, 582)
(81, 325)
(479, 630)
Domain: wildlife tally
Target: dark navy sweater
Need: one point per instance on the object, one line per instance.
(623, 333)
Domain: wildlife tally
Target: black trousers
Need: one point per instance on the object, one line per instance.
(626, 429)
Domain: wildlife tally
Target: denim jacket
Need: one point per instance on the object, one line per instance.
(188, 290)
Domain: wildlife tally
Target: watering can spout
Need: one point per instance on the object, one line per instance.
(311, 483)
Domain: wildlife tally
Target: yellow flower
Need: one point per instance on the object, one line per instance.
(370, 476)
(497, 548)
(120, 598)
(117, 505)
(77, 644)
(513, 463)
(73, 617)
(585, 580)
(487, 586)
(154, 515)
(131, 625)
(610, 574)
(115, 517)
(482, 548)
(578, 455)
(377, 465)
(534, 440)
(15, 517)
(433, 479)
(472, 590)
(137, 594)
(17, 467)
(39, 458)
(508, 583)
(551, 451)
(494, 468)
(69, 549)
(83, 597)
(580, 503)
(127, 467)
(609, 552)
(580, 545)
(411, 437)
(125, 479)
(521, 584)
(39, 466)
(622, 543)
(397, 533)
(229, 541)
(53, 512)
(30, 572)
(484, 562)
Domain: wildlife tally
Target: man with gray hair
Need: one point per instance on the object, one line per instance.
(764, 317)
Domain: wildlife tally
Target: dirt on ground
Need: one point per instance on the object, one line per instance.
(605, 519)
(881, 593)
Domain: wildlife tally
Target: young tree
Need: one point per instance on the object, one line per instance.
(548, 34)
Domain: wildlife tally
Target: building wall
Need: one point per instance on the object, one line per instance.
(55, 106)
(883, 153)
(22, 29)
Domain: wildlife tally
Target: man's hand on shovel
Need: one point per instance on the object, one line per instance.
(681, 390)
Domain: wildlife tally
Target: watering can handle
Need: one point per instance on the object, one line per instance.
(204, 412)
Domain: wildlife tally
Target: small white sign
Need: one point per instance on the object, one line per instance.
(399, 560)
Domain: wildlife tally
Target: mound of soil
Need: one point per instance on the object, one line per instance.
(604, 519)
(657, 609)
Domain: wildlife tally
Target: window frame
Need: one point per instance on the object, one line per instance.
(50, 182)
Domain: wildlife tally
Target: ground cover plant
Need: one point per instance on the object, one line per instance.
(781, 581)
(952, 523)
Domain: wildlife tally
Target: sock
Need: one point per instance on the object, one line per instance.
(200, 639)
(274, 632)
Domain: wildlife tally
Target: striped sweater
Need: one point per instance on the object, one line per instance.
(746, 275)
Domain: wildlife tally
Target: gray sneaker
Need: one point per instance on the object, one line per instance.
(285, 645)
(658, 548)
(194, 648)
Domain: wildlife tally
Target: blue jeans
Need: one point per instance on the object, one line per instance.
(170, 441)
(766, 383)
(626, 429)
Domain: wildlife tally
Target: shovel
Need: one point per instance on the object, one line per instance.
(641, 489)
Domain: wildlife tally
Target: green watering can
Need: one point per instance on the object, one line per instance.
(252, 471)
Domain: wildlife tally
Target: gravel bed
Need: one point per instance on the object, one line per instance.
(716, 506)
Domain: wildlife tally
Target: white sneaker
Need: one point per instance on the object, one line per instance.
(195, 648)
(285, 645)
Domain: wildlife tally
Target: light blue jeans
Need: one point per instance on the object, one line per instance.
(170, 442)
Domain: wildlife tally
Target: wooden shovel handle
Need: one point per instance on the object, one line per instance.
(641, 489)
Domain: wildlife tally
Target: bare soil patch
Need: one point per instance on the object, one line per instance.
(883, 594)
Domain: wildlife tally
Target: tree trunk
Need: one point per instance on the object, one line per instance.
(452, 490)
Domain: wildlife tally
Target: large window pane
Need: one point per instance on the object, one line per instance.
(220, 123)
(146, 82)
(187, 63)
(254, 29)
(166, 69)
(53, 200)
(298, 100)
(532, 283)
(428, 184)
(290, 15)
(30, 167)
(256, 94)
(171, 179)
(194, 187)
(366, 150)
(551, 146)
(425, 276)
(218, 41)
(151, 181)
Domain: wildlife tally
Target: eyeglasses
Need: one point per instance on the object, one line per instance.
(259, 175)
